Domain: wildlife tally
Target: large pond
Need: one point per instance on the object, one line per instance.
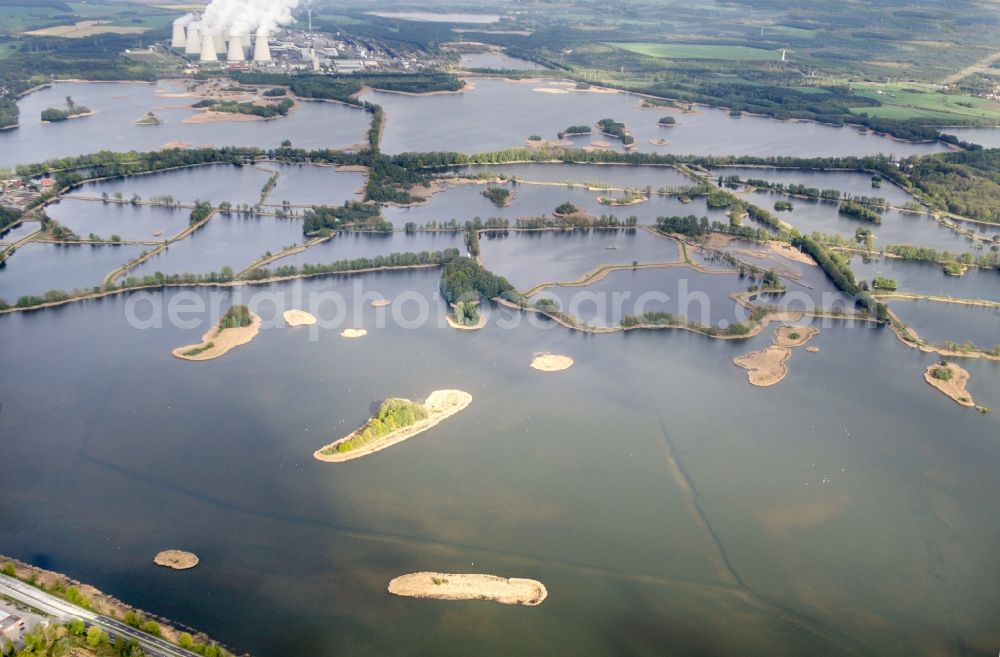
(464, 202)
(37, 268)
(347, 246)
(216, 183)
(310, 184)
(849, 182)
(498, 61)
(225, 241)
(527, 258)
(661, 499)
(19, 232)
(499, 114)
(147, 223)
(985, 137)
(938, 322)
(929, 278)
(119, 105)
(612, 175)
(897, 227)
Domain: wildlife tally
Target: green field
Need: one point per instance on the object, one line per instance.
(901, 101)
(697, 51)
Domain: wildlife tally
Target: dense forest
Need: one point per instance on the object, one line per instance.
(963, 182)
(463, 279)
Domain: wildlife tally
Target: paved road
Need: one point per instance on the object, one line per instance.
(64, 611)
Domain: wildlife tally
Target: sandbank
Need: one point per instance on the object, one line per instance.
(767, 367)
(659, 142)
(954, 387)
(221, 341)
(793, 336)
(459, 586)
(551, 362)
(813, 350)
(298, 318)
(788, 251)
(353, 333)
(440, 405)
(550, 90)
(211, 116)
(174, 144)
(176, 559)
(380, 303)
(352, 168)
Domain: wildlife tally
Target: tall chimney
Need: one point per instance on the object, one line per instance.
(179, 39)
(208, 53)
(235, 53)
(261, 51)
(193, 44)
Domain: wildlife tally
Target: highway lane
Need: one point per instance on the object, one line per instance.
(65, 611)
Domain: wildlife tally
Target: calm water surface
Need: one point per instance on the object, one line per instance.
(850, 182)
(38, 268)
(119, 105)
(216, 183)
(581, 479)
(938, 322)
(928, 278)
(500, 114)
(347, 246)
(130, 222)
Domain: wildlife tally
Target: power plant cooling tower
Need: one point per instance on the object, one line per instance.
(235, 53)
(261, 51)
(193, 44)
(208, 49)
(179, 39)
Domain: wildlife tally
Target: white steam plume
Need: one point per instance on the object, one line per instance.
(248, 16)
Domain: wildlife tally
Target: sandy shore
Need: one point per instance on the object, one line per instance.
(298, 318)
(551, 362)
(210, 116)
(221, 342)
(767, 367)
(440, 405)
(352, 168)
(458, 586)
(954, 387)
(353, 333)
(793, 336)
(176, 559)
(790, 252)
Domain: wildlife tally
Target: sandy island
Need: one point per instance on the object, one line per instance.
(458, 586)
(767, 367)
(466, 327)
(176, 559)
(794, 336)
(440, 405)
(210, 116)
(298, 318)
(953, 387)
(551, 362)
(221, 341)
(353, 333)
(813, 350)
(380, 303)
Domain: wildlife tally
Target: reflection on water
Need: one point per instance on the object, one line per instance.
(585, 480)
(499, 114)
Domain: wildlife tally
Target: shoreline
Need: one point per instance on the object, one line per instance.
(468, 586)
(440, 405)
(216, 343)
(953, 388)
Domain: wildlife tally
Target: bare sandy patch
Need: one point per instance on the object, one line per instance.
(600, 144)
(466, 327)
(786, 250)
(659, 142)
(352, 168)
(551, 362)
(298, 318)
(457, 586)
(767, 367)
(548, 143)
(84, 29)
(217, 343)
(793, 336)
(440, 405)
(174, 144)
(813, 350)
(353, 333)
(380, 303)
(550, 90)
(176, 559)
(219, 117)
(953, 387)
